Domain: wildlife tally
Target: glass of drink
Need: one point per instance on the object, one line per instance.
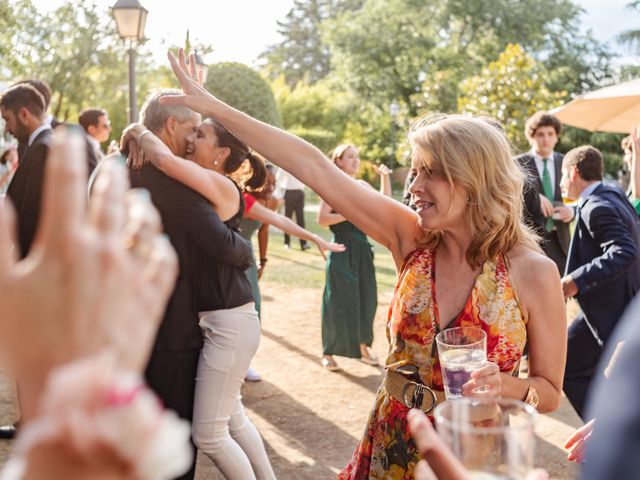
(461, 351)
(493, 438)
(556, 213)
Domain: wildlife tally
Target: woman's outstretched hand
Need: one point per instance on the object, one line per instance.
(195, 96)
(323, 246)
(382, 170)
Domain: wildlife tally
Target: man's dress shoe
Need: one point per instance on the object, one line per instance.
(7, 432)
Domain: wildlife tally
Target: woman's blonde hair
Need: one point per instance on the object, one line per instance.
(475, 155)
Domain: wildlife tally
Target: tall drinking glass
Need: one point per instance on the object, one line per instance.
(461, 351)
(493, 438)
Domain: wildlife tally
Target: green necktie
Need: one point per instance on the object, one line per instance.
(547, 186)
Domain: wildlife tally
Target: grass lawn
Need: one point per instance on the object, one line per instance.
(307, 269)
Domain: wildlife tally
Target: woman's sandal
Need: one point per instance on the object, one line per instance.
(330, 365)
(369, 358)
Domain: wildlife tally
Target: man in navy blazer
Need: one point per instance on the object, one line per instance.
(603, 265)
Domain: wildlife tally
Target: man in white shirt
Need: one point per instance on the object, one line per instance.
(293, 202)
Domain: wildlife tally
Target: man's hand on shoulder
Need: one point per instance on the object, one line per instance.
(569, 287)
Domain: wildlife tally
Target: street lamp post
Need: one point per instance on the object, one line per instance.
(201, 65)
(130, 17)
(394, 109)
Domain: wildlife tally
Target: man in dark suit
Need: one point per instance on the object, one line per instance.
(23, 110)
(195, 231)
(45, 90)
(96, 124)
(603, 267)
(543, 166)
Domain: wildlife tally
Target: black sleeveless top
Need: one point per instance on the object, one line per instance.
(219, 286)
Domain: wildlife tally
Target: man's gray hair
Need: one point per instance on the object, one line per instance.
(154, 114)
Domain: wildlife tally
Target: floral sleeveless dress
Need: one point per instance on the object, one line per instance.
(387, 451)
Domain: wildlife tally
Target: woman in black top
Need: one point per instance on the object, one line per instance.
(223, 297)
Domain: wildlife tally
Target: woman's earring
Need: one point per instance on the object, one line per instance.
(215, 162)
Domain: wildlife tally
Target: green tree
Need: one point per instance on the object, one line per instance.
(395, 49)
(380, 51)
(318, 106)
(631, 38)
(302, 55)
(511, 89)
(244, 89)
(76, 49)
(418, 53)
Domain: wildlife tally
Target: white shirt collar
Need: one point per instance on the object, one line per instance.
(539, 157)
(36, 132)
(94, 143)
(586, 193)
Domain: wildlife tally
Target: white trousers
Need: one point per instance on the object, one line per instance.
(221, 428)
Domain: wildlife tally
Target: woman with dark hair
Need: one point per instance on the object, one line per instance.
(221, 428)
(350, 295)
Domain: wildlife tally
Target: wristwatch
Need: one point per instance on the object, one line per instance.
(532, 397)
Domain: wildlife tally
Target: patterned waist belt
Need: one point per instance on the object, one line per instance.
(412, 394)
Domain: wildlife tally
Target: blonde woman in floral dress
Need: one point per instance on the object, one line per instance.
(464, 257)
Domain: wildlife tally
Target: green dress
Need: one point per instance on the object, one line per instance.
(247, 228)
(350, 294)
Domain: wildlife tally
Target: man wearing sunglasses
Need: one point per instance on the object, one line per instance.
(95, 122)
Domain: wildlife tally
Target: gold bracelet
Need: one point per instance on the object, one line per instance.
(532, 398)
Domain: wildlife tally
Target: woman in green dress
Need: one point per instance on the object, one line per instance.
(350, 294)
(258, 215)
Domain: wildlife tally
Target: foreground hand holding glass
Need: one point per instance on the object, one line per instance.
(493, 438)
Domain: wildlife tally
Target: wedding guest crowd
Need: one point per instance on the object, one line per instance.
(173, 301)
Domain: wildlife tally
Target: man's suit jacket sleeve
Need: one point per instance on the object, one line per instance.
(32, 198)
(613, 448)
(200, 220)
(607, 229)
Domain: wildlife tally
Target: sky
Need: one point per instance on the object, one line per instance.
(240, 30)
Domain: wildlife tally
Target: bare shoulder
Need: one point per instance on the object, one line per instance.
(534, 274)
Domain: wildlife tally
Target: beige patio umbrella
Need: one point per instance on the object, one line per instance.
(611, 109)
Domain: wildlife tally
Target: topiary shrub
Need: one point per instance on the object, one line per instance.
(243, 88)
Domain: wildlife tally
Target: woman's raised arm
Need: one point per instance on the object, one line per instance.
(385, 220)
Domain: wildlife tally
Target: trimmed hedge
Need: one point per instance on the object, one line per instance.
(243, 88)
(323, 139)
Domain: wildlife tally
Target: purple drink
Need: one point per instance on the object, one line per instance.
(457, 365)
